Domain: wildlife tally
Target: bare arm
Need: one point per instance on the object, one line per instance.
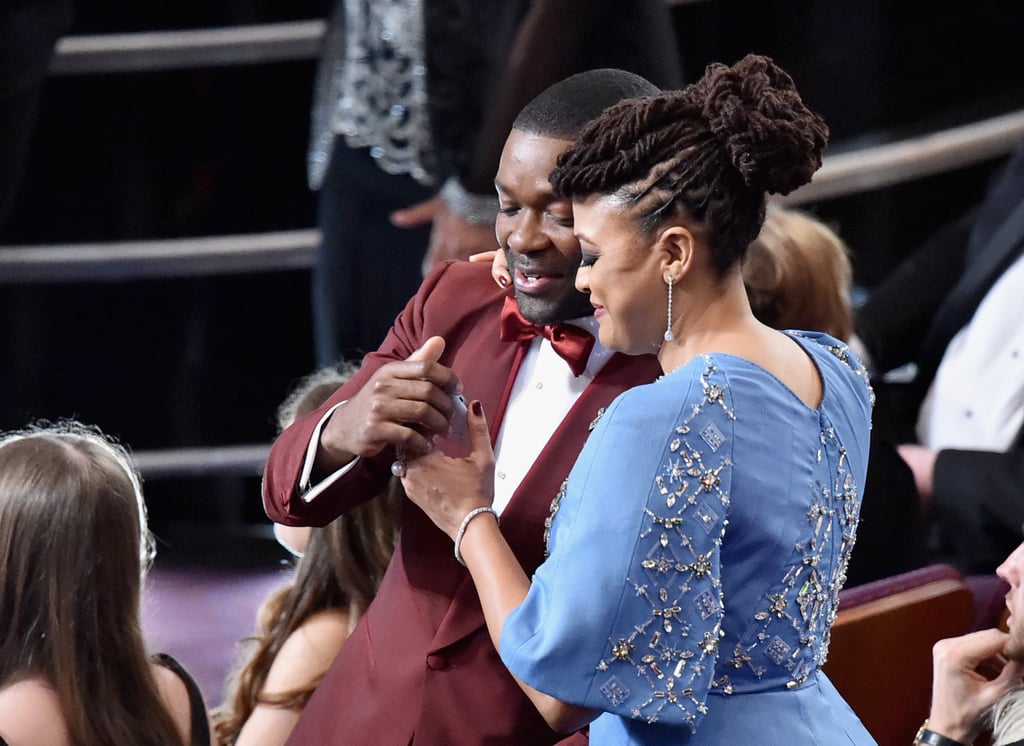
(304, 658)
(447, 489)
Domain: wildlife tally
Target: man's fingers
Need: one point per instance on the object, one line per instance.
(969, 649)
(420, 213)
(409, 440)
(984, 643)
(431, 350)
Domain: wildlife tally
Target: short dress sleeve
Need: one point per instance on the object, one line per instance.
(625, 614)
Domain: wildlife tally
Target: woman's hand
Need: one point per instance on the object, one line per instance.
(446, 488)
(499, 266)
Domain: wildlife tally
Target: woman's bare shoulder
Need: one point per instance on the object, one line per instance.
(309, 651)
(30, 713)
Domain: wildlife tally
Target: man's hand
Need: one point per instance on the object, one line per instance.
(451, 238)
(961, 694)
(403, 404)
(921, 461)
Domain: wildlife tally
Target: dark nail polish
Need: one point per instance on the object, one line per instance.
(478, 409)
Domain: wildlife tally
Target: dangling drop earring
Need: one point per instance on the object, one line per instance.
(669, 336)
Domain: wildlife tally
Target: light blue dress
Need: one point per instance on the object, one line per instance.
(696, 556)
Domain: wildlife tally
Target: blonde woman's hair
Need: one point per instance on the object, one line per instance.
(1008, 718)
(74, 546)
(798, 274)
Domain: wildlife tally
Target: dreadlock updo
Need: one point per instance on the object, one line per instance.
(715, 149)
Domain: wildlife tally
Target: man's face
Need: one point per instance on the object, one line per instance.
(1012, 571)
(535, 229)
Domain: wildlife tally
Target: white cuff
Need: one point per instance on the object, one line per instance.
(308, 493)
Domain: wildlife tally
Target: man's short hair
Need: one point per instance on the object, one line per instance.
(563, 108)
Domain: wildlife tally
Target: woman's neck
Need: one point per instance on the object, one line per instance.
(712, 319)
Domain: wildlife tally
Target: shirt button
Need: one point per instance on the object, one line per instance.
(500, 475)
(437, 662)
(539, 385)
(968, 414)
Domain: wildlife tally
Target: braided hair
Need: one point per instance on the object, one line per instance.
(714, 149)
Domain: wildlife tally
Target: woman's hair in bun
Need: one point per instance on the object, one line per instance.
(715, 148)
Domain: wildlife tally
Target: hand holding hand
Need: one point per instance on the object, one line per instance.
(446, 488)
(961, 694)
(404, 404)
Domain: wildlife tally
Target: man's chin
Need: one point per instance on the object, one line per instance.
(543, 310)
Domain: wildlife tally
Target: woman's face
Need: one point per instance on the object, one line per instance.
(623, 276)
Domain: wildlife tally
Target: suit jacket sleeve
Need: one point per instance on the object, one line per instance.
(281, 496)
(896, 317)
(978, 498)
(901, 310)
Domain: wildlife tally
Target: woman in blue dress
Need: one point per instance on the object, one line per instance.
(698, 547)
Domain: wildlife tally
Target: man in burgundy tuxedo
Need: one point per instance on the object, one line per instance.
(420, 667)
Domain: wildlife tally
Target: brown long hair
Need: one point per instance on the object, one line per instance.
(341, 568)
(73, 550)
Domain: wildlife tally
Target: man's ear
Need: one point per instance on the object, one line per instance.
(676, 246)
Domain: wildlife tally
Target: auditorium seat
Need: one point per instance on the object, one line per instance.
(880, 656)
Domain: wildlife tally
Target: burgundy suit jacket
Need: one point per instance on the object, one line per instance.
(420, 666)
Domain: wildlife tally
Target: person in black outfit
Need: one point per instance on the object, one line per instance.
(964, 283)
(29, 29)
(411, 109)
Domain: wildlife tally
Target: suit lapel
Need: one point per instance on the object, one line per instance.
(522, 522)
(1000, 249)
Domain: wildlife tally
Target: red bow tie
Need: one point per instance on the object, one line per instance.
(570, 342)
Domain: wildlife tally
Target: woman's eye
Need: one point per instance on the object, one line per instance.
(587, 259)
(562, 220)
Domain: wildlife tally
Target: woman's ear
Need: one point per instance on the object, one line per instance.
(676, 246)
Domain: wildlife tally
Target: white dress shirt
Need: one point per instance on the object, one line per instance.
(544, 392)
(976, 401)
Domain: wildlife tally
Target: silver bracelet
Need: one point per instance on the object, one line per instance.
(475, 209)
(465, 522)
